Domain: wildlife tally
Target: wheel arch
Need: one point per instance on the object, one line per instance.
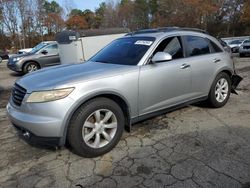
(228, 72)
(116, 97)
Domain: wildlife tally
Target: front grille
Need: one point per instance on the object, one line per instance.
(246, 47)
(18, 94)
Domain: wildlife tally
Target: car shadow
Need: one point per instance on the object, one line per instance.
(16, 74)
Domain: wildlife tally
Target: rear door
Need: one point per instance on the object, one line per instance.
(167, 83)
(204, 57)
(50, 57)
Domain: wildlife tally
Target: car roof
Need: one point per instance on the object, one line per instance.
(160, 33)
(166, 31)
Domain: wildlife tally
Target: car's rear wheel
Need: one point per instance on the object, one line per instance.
(220, 90)
(30, 67)
(96, 127)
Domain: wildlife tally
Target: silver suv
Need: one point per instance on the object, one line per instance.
(141, 75)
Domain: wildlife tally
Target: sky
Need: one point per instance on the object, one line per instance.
(81, 4)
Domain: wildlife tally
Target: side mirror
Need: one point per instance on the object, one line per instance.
(44, 52)
(161, 57)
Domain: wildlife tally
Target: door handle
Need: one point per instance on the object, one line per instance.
(184, 66)
(216, 60)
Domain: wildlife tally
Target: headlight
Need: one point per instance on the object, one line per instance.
(46, 96)
(17, 58)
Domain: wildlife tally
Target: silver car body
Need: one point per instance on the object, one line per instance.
(145, 89)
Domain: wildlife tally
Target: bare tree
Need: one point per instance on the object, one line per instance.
(9, 14)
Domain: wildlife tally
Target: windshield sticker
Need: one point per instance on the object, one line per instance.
(143, 42)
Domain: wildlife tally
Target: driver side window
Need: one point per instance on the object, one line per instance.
(172, 46)
(52, 49)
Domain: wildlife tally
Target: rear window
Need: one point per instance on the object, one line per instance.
(124, 51)
(197, 46)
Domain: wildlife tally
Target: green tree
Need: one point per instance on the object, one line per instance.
(76, 12)
(89, 17)
(52, 7)
(141, 8)
(99, 15)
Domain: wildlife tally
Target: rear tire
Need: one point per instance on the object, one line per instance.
(220, 90)
(30, 67)
(89, 119)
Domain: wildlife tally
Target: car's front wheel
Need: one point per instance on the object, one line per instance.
(96, 127)
(220, 90)
(30, 67)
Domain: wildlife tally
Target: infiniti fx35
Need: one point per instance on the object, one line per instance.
(136, 77)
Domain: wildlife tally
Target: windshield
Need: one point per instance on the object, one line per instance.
(124, 51)
(38, 47)
(246, 41)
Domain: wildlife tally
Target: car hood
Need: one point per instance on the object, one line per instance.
(234, 45)
(20, 55)
(68, 75)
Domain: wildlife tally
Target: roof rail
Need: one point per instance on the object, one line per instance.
(166, 29)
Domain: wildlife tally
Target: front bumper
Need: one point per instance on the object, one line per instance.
(41, 120)
(235, 49)
(14, 66)
(35, 140)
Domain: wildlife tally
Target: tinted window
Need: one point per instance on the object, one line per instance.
(124, 51)
(197, 46)
(236, 42)
(215, 47)
(172, 46)
(52, 49)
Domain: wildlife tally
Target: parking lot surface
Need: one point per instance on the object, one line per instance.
(195, 146)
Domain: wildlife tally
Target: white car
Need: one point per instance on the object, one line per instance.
(24, 51)
(235, 45)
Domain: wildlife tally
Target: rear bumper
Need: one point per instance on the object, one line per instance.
(236, 79)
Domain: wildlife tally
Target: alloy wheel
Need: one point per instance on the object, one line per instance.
(221, 90)
(32, 68)
(99, 128)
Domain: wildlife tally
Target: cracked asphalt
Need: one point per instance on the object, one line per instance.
(195, 146)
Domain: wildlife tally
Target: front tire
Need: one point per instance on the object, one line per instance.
(30, 67)
(96, 127)
(220, 90)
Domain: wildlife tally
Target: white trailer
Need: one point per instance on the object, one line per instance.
(77, 47)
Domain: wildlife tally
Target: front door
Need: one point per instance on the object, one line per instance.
(165, 84)
(50, 56)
